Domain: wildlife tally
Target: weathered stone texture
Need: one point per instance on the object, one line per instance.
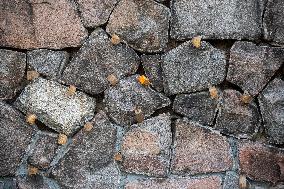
(188, 69)
(252, 66)
(52, 105)
(221, 19)
(12, 71)
(123, 99)
(141, 24)
(98, 59)
(146, 147)
(199, 150)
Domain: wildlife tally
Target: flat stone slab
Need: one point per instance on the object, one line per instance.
(260, 162)
(199, 150)
(251, 66)
(212, 182)
(188, 69)
(143, 25)
(237, 118)
(146, 147)
(34, 182)
(274, 22)
(15, 136)
(87, 164)
(95, 12)
(153, 70)
(127, 96)
(199, 107)
(47, 62)
(271, 101)
(44, 150)
(40, 24)
(12, 71)
(221, 19)
(96, 60)
(49, 101)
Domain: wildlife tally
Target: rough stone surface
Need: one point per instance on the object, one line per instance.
(12, 71)
(153, 70)
(40, 24)
(47, 62)
(96, 60)
(129, 95)
(271, 102)
(220, 19)
(251, 66)
(95, 12)
(44, 150)
(33, 182)
(15, 136)
(187, 69)
(211, 182)
(51, 104)
(231, 180)
(146, 147)
(87, 164)
(143, 25)
(198, 107)
(261, 163)
(236, 117)
(8, 183)
(199, 150)
(274, 21)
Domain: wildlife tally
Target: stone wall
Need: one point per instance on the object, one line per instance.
(136, 94)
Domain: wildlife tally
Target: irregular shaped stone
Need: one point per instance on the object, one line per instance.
(40, 24)
(187, 69)
(261, 163)
(123, 99)
(198, 150)
(221, 19)
(15, 136)
(143, 25)
(95, 12)
(87, 164)
(52, 105)
(47, 62)
(44, 150)
(33, 182)
(236, 117)
(231, 180)
(98, 59)
(153, 70)
(198, 107)
(212, 182)
(146, 147)
(271, 101)
(251, 66)
(12, 71)
(274, 21)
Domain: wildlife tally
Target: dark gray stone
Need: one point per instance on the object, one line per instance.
(143, 24)
(88, 163)
(95, 12)
(153, 70)
(198, 107)
(146, 147)
(251, 66)
(231, 180)
(15, 136)
(33, 182)
(8, 183)
(271, 101)
(97, 59)
(49, 101)
(47, 62)
(122, 100)
(44, 150)
(220, 19)
(274, 22)
(236, 117)
(12, 71)
(187, 69)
